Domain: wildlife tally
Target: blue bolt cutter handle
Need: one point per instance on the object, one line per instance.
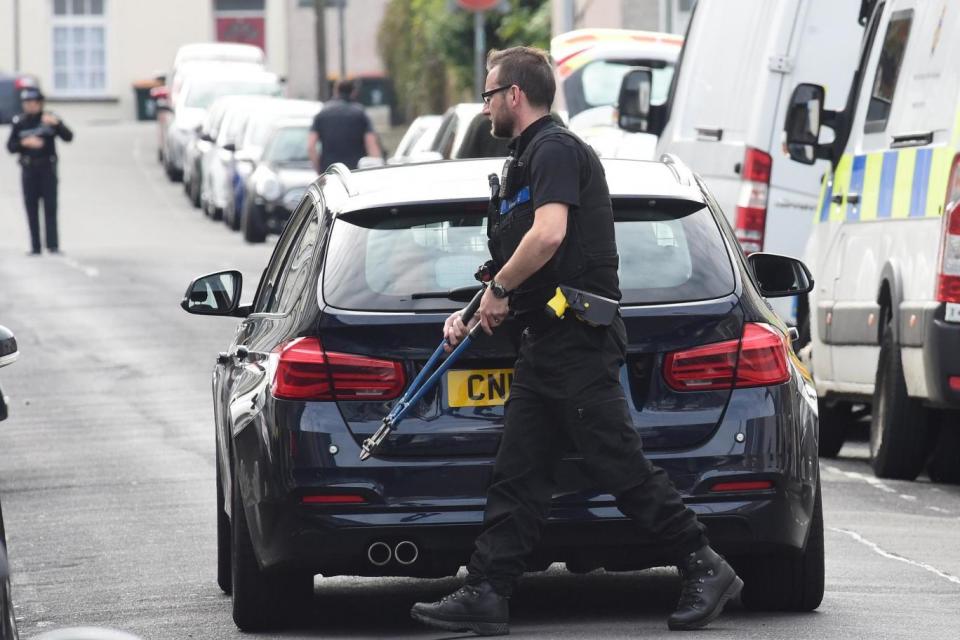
(422, 384)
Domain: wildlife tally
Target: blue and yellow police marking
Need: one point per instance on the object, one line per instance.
(888, 172)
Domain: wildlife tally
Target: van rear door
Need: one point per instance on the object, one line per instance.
(725, 90)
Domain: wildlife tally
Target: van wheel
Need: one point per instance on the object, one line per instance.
(261, 599)
(834, 419)
(787, 581)
(898, 426)
(944, 465)
(194, 192)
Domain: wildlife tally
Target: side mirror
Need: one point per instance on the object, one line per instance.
(780, 276)
(804, 119)
(217, 294)
(231, 147)
(206, 137)
(8, 347)
(633, 104)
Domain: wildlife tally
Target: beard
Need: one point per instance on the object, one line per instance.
(502, 126)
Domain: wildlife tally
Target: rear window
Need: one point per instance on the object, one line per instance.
(404, 259)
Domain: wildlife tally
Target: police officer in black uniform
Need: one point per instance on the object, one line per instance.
(32, 136)
(555, 227)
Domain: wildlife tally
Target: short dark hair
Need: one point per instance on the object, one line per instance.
(345, 88)
(529, 68)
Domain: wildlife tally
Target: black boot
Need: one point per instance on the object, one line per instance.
(477, 608)
(708, 582)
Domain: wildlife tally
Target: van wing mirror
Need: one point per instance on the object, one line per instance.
(633, 103)
(805, 116)
(780, 276)
(217, 294)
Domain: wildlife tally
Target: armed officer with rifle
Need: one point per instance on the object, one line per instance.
(554, 269)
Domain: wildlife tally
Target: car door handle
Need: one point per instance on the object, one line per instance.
(853, 198)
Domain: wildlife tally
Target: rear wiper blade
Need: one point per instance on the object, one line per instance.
(462, 294)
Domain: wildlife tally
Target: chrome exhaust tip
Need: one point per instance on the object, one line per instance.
(406, 552)
(379, 553)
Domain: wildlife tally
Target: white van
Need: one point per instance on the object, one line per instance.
(885, 250)
(727, 103)
(589, 65)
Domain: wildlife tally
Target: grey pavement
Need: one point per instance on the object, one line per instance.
(106, 465)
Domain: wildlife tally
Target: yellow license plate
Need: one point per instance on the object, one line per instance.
(478, 387)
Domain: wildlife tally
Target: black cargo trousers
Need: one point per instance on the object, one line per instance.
(566, 385)
(39, 181)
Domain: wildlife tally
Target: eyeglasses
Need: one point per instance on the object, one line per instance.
(488, 95)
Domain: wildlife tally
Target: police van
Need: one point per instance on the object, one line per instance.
(885, 250)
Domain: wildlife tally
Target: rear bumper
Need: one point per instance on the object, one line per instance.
(438, 503)
(336, 543)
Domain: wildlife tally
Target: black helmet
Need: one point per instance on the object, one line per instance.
(30, 93)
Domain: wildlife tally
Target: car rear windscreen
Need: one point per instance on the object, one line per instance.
(407, 258)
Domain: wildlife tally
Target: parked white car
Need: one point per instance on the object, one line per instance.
(199, 91)
(417, 139)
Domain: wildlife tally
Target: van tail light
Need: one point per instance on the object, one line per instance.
(751, 215)
(948, 281)
(759, 359)
(306, 371)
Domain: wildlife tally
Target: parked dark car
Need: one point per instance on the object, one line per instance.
(351, 305)
(278, 183)
(8, 624)
(10, 86)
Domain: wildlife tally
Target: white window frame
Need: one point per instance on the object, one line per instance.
(71, 20)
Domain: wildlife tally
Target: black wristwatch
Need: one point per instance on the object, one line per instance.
(499, 291)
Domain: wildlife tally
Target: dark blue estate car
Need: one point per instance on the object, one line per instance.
(351, 305)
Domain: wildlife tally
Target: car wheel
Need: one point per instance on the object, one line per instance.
(216, 213)
(252, 226)
(223, 535)
(898, 426)
(944, 465)
(8, 623)
(230, 216)
(173, 174)
(835, 417)
(789, 581)
(194, 192)
(261, 599)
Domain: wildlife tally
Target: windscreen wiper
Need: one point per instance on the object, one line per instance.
(461, 294)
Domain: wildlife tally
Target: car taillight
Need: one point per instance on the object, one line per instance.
(759, 359)
(306, 371)
(746, 485)
(751, 215)
(948, 281)
(23, 82)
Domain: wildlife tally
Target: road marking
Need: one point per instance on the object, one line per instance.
(872, 481)
(893, 556)
(939, 510)
(908, 497)
(91, 272)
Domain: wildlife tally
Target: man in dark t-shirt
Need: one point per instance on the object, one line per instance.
(343, 130)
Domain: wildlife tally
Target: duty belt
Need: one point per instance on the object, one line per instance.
(37, 161)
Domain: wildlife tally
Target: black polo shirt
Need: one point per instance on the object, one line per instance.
(341, 127)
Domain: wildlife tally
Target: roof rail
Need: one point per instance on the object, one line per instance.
(680, 170)
(346, 177)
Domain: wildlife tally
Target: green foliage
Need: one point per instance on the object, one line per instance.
(428, 49)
